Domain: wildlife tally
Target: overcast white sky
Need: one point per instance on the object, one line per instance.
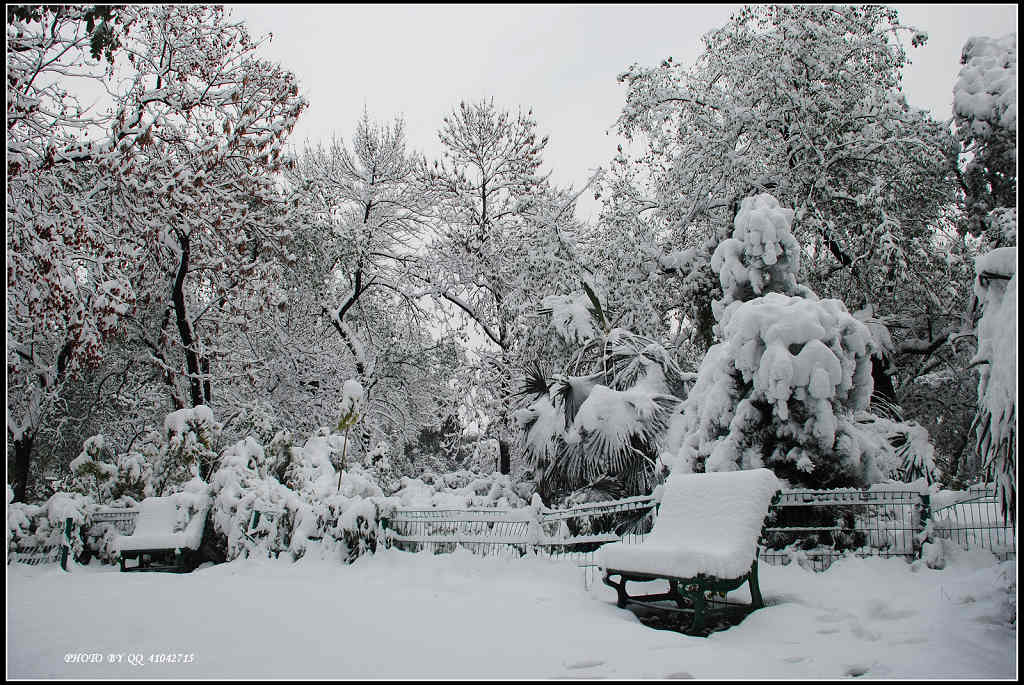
(421, 60)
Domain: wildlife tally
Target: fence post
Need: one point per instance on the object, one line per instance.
(533, 530)
(925, 519)
(65, 547)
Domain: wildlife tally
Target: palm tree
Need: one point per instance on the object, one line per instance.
(596, 434)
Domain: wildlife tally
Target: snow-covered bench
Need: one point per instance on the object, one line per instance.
(705, 540)
(168, 532)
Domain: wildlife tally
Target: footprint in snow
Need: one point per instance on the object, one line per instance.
(856, 670)
(586, 663)
(878, 609)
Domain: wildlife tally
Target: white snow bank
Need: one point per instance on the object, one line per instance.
(454, 616)
(707, 523)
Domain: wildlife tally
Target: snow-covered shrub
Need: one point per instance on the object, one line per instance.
(379, 465)
(38, 525)
(311, 472)
(995, 288)
(907, 453)
(187, 450)
(789, 382)
(92, 471)
(458, 490)
(242, 485)
(19, 521)
(349, 527)
(107, 478)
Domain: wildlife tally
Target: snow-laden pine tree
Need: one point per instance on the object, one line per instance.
(788, 385)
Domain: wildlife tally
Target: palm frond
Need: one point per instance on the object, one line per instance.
(534, 382)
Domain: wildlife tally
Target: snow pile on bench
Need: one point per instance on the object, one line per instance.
(708, 523)
(172, 522)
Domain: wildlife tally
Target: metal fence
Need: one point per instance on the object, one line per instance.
(123, 520)
(975, 523)
(813, 528)
(574, 533)
(816, 527)
(810, 527)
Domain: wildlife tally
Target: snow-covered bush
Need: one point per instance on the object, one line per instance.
(187, 449)
(92, 471)
(311, 470)
(788, 385)
(98, 473)
(458, 490)
(995, 288)
(38, 525)
(308, 512)
(242, 485)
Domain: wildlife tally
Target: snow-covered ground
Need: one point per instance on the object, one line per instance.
(400, 615)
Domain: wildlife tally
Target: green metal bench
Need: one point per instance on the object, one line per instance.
(704, 542)
(155, 546)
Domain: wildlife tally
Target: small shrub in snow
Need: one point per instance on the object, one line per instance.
(38, 525)
(92, 471)
(187, 449)
(98, 473)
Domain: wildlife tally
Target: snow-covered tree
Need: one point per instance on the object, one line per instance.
(789, 384)
(362, 212)
(595, 429)
(162, 203)
(802, 101)
(499, 244)
(995, 425)
(67, 276)
(985, 113)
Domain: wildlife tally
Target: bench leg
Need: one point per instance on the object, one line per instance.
(673, 589)
(699, 604)
(620, 590)
(756, 601)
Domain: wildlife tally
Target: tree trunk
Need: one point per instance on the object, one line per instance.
(883, 381)
(22, 462)
(504, 457)
(192, 366)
